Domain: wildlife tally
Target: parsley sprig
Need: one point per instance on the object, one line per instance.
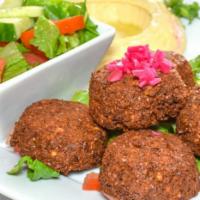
(184, 10)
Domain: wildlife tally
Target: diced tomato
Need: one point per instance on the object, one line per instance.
(66, 26)
(34, 59)
(3, 44)
(2, 67)
(70, 25)
(91, 182)
(26, 38)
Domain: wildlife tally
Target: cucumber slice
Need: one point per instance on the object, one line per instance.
(12, 28)
(10, 3)
(25, 11)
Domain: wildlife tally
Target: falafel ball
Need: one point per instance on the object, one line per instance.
(188, 122)
(124, 105)
(61, 134)
(146, 165)
(183, 67)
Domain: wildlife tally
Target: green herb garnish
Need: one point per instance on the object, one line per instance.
(184, 10)
(166, 127)
(195, 63)
(36, 170)
(15, 62)
(81, 96)
(198, 164)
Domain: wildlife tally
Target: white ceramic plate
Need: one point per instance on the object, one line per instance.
(65, 188)
(57, 78)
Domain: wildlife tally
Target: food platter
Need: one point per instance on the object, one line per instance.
(20, 188)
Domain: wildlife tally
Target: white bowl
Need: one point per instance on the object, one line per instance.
(58, 77)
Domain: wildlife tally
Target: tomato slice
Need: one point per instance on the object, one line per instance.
(91, 182)
(66, 26)
(34, 59)
(26, 38)
(2, 68)
(3, 44)
(70, 25)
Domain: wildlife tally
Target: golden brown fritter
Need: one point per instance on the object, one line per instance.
(61, 134)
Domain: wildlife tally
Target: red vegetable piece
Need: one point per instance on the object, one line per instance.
(2, 67)
(91, 182)
(70, 25)
(34, 59)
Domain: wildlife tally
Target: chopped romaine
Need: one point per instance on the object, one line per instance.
(89, 32)
(15, 62)
(166, 127)
(36, 169)
(195, 63)
(40, 2)
(198, 164)
(67, 42)
(22, 48)
(64, 10)
(46, 36)
(81, 96)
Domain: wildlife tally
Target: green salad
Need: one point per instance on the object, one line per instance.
(34, 31)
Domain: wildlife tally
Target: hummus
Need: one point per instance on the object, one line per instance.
(139, 22)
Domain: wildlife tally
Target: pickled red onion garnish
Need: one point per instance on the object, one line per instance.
(142, 63)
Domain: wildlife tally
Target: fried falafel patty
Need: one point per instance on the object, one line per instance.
(183, 67)
(187, 124)
(124, 105)
(61, 134)
(147, 165)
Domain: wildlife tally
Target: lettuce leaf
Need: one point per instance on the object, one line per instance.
(36, 169)
(198, 163)
(89, 32)
(195, 63)
(81, 96)
(166, 127)
(64, 10)
(41, 2)
(15, 62)
(46, 37)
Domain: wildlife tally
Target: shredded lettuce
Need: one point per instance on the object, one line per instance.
(81, 96)
(46, 37)
(166, 127)
(195, 63)
(89, 32)
(15, 62)
(40, 2)
(64, 10)
(67, 43)
(22, 48)
(36, 169)
(198, 164)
